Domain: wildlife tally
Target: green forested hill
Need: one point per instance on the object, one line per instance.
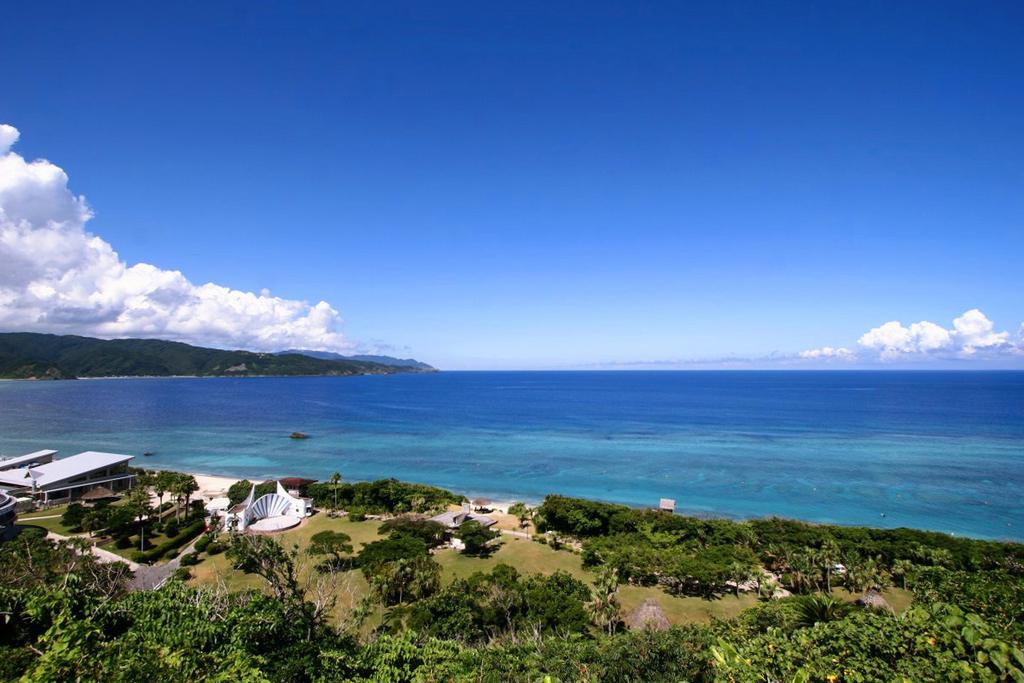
(26, 355)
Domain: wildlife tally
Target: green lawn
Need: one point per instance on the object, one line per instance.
(527, 556)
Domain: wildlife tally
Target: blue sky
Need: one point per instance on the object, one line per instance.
(549, 184)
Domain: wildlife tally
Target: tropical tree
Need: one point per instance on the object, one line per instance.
(901, 568)
(801, 571)
(604, 603)
(188, 487)
(740, 572)
(766, 587)
(268, 559)
(182, 486)
(817, 609)
(828, 556)
(94, 520)
(405, 580)
(520, 511)
(336, 482)
(475, 536)
(334, 544)
(138, 503)
(162, 483)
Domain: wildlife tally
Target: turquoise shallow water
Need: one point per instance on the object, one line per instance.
(941, 451)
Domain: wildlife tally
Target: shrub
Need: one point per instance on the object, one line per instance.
(190, 559)
(181, 539)
(203, 543)
(123, 542)
(171, 529)
(214, 548)
(357, 516)
(72, 517)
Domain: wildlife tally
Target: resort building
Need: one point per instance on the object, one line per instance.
(29, 460)
(271, 512)
(7, 511)
(48, 480)
(453, 520)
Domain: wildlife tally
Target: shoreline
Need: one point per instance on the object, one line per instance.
(216, 485)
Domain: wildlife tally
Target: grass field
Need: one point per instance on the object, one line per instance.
(526, 556)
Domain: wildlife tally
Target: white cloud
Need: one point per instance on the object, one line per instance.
(828, 353)
(973, 335)
(8, 136)
(57, 277)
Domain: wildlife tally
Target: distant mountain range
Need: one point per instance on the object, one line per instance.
(383, 360)
(28, 355)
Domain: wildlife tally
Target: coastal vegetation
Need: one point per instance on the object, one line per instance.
(611, 594)
(25, 355)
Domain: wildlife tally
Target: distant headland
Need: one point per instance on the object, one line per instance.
(29, 355)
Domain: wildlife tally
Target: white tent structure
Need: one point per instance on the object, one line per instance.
(271, 512)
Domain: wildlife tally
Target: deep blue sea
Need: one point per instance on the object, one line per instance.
(934, 450)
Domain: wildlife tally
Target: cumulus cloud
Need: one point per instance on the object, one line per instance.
(972, 335)
(57, 277)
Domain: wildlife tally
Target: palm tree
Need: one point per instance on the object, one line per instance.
(604, 604)
(162, 483)
(828, 556)
(188, 487)
(740, 572)
(767, 587)
(817, 609)
(521, 512)
(335, 480)
(138, 503)
(901, 568)
(801, 566)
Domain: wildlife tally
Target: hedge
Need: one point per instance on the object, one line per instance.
(181, 539)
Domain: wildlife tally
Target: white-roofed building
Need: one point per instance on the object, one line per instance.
(28, 460)
(68, 478)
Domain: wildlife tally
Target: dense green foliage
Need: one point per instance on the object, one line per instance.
(26, 354)
(691, 556)
(381, 496)
(67, 617)
(502, 604)
(239, 491)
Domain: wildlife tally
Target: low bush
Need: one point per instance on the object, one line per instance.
(190, 559)
(123, 542)
(203, 543)
(181, 539)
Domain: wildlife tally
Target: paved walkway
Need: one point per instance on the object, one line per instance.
(151, 577)
(101, 554)
(517, 534)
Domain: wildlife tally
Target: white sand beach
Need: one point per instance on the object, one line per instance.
(212, 486)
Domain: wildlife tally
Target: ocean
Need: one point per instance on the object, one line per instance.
(932, 450)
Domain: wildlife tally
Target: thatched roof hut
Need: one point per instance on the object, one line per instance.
(648, 615)
(874, 600)
(98, 493)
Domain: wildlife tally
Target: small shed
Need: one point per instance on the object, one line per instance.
(667, 505)
(873, 600)
(648, 615)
